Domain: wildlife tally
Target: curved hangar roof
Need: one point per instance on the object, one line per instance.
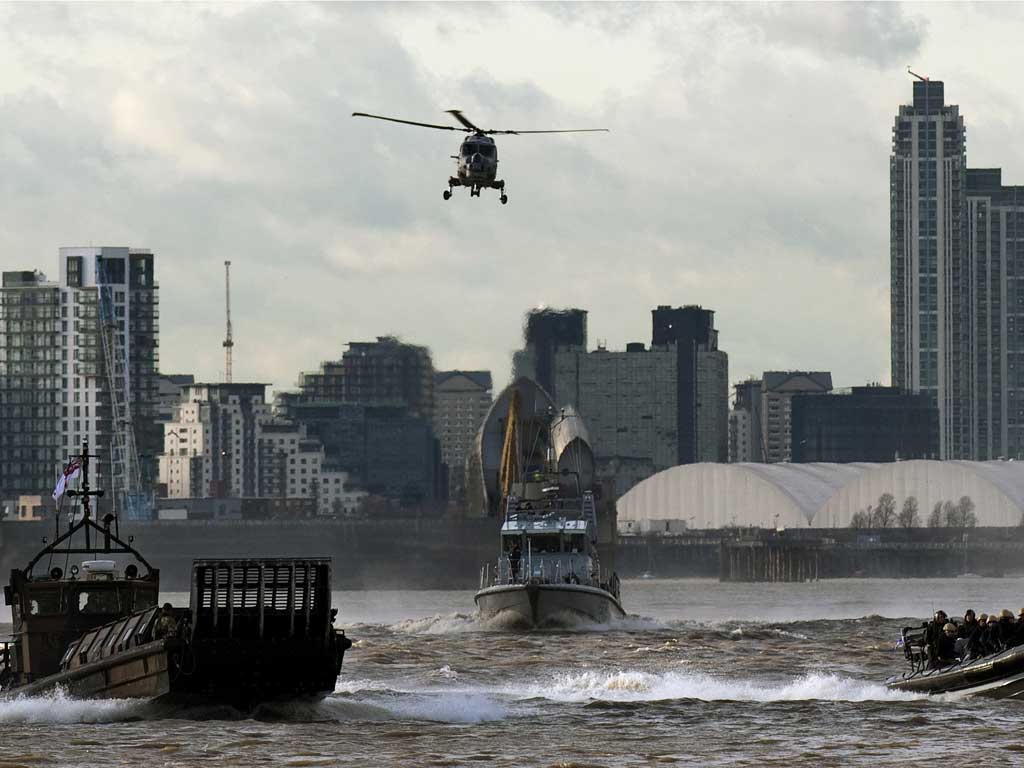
(821, 495)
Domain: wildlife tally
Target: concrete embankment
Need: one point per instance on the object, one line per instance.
(799, 555)
(411, 553)
(429, 553)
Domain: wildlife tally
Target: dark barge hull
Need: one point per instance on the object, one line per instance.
(999, 676)
(221, 673)
(256, 631)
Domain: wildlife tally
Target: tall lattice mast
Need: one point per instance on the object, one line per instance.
(228, 343)
(126, 474)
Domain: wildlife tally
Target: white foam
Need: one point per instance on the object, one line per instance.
(448, 707)
(357, 686)
(452, 623)
(631, 686)
(60, 708)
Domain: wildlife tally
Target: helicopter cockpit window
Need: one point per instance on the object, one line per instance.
(468, 150)
(487, 150)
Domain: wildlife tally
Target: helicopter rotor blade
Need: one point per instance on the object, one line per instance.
(411, 122)
(457, 114)
(569, 130)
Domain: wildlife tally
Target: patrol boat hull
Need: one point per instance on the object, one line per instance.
(547, 605)
(999, 676)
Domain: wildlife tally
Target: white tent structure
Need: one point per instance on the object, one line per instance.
(707, 496)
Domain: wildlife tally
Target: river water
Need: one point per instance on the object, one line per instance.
(701, 673)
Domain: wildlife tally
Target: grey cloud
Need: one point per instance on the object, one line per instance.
(880, 33)
(714, 187)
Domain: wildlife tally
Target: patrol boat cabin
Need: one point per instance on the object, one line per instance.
(548, 539)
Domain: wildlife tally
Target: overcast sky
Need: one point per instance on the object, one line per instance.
(746, 169)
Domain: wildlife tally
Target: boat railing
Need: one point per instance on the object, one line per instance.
(557, 568)
(914, 648)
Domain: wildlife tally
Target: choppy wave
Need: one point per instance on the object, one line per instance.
(457, 623)
(634, 686)
(60, 708)
(448, 707)
(446, 624)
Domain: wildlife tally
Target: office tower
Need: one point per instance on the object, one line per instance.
(386, 372)
(31, 445)
(777, 391)
(461, 402)
(110, 365)
(646, 409)
(546, 332)
(702, 380)
(930, 275)
(864, 424)
(746, 443)
(995, 249)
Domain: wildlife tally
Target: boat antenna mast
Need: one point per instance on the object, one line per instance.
(106, 540)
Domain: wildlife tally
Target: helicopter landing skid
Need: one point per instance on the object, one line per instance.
(474, 189)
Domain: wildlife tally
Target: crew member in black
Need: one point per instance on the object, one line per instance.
(932, 634)
(967, 635)
(1007, 629)
(513, 560)
(991, 639)
(947, 647)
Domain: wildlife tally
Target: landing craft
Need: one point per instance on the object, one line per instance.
(477, 161)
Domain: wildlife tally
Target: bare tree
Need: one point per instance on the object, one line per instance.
(951, 515)
(935, 518)
(908, 515)
(965, 511)
(861, 519)
(885, 513)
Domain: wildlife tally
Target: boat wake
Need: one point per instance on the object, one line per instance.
(458, 623)
(373, 700)
(638, 686)
(59, 708)
(460, 703)
(451, 624)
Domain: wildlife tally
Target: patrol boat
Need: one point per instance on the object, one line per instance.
(548, 572)
(997, 675)
(256, 630)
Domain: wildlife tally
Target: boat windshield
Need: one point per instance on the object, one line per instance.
(545, 543)
(44, 602)
(98, 601)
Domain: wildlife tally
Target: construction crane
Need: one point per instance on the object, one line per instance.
(922, 78)
(126, 474)
(228, 343)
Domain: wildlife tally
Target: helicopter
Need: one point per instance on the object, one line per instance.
(477, 161)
